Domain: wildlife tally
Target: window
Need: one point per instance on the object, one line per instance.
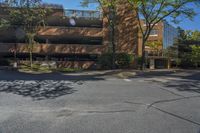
(154, 33)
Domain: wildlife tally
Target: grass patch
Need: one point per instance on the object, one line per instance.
(35, 68)
(45, 69)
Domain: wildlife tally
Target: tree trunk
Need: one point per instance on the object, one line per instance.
(30, 51)
(113, 47)
(15, 53)
(31, 59)
(143, 62)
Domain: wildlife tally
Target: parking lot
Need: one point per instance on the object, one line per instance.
(154, 102)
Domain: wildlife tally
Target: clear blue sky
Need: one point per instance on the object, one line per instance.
(75, 4)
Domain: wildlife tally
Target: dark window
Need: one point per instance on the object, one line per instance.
(154, 32)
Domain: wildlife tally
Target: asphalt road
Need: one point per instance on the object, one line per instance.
(157, 102)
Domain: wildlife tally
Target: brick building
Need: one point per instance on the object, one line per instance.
(165, 36)
(73, 38)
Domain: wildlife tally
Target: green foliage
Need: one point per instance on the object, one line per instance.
(4, 62)
(22, 3)
(105, 61)
(192, 35)
(138, 61)
(30, 16)
(188, 48)
(123, 60)
(155, 46)
(195, 55)
(31, 19)
(155, 11)
(102, 3)
(35, 67)
(186, 60)
(109, 11)
(3, 23)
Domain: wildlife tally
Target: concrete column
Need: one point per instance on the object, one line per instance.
(168, 64)
(152, 64)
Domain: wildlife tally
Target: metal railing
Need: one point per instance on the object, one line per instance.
(82, 13)
(71, 12)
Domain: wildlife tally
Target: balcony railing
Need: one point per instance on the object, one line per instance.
(83, 14)
(70, 12)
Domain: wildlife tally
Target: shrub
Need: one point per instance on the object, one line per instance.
(138, 61)
(4, 62)
(123, 60)
(186, 60)
(195, 55)
(105, 61)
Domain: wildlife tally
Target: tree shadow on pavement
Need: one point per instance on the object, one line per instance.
(42, 86)
(37, 90)
(182, 80)
(184, 85)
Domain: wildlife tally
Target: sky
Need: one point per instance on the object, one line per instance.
(185, 23)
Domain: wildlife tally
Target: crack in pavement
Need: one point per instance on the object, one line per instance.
(152, 105)
(171, 92)
(171, 100)
(177, 116)
(114, 111)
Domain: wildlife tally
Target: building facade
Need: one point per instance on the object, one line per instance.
(165, 34)
(72, 38)
(161, 37)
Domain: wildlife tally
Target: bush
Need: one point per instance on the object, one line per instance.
(4, 62)
(138, 61)
(105, 61)
(123, 60)
(186, 61)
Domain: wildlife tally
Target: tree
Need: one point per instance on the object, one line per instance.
(195, 55)
(3, 23)
(109, 10)
(21, 3)
(155, 11)
(188, 44)
(155, 46)
(192, 35)
(31, 17)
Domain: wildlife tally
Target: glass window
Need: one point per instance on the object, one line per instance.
(154, 33)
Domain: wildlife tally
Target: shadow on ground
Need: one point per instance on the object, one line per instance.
(38, 90)
(42, 86)
(184, 80)
(53, 85)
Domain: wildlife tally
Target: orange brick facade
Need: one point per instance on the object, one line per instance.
(88, 36)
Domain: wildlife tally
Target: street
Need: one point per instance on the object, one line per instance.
(155, 102)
